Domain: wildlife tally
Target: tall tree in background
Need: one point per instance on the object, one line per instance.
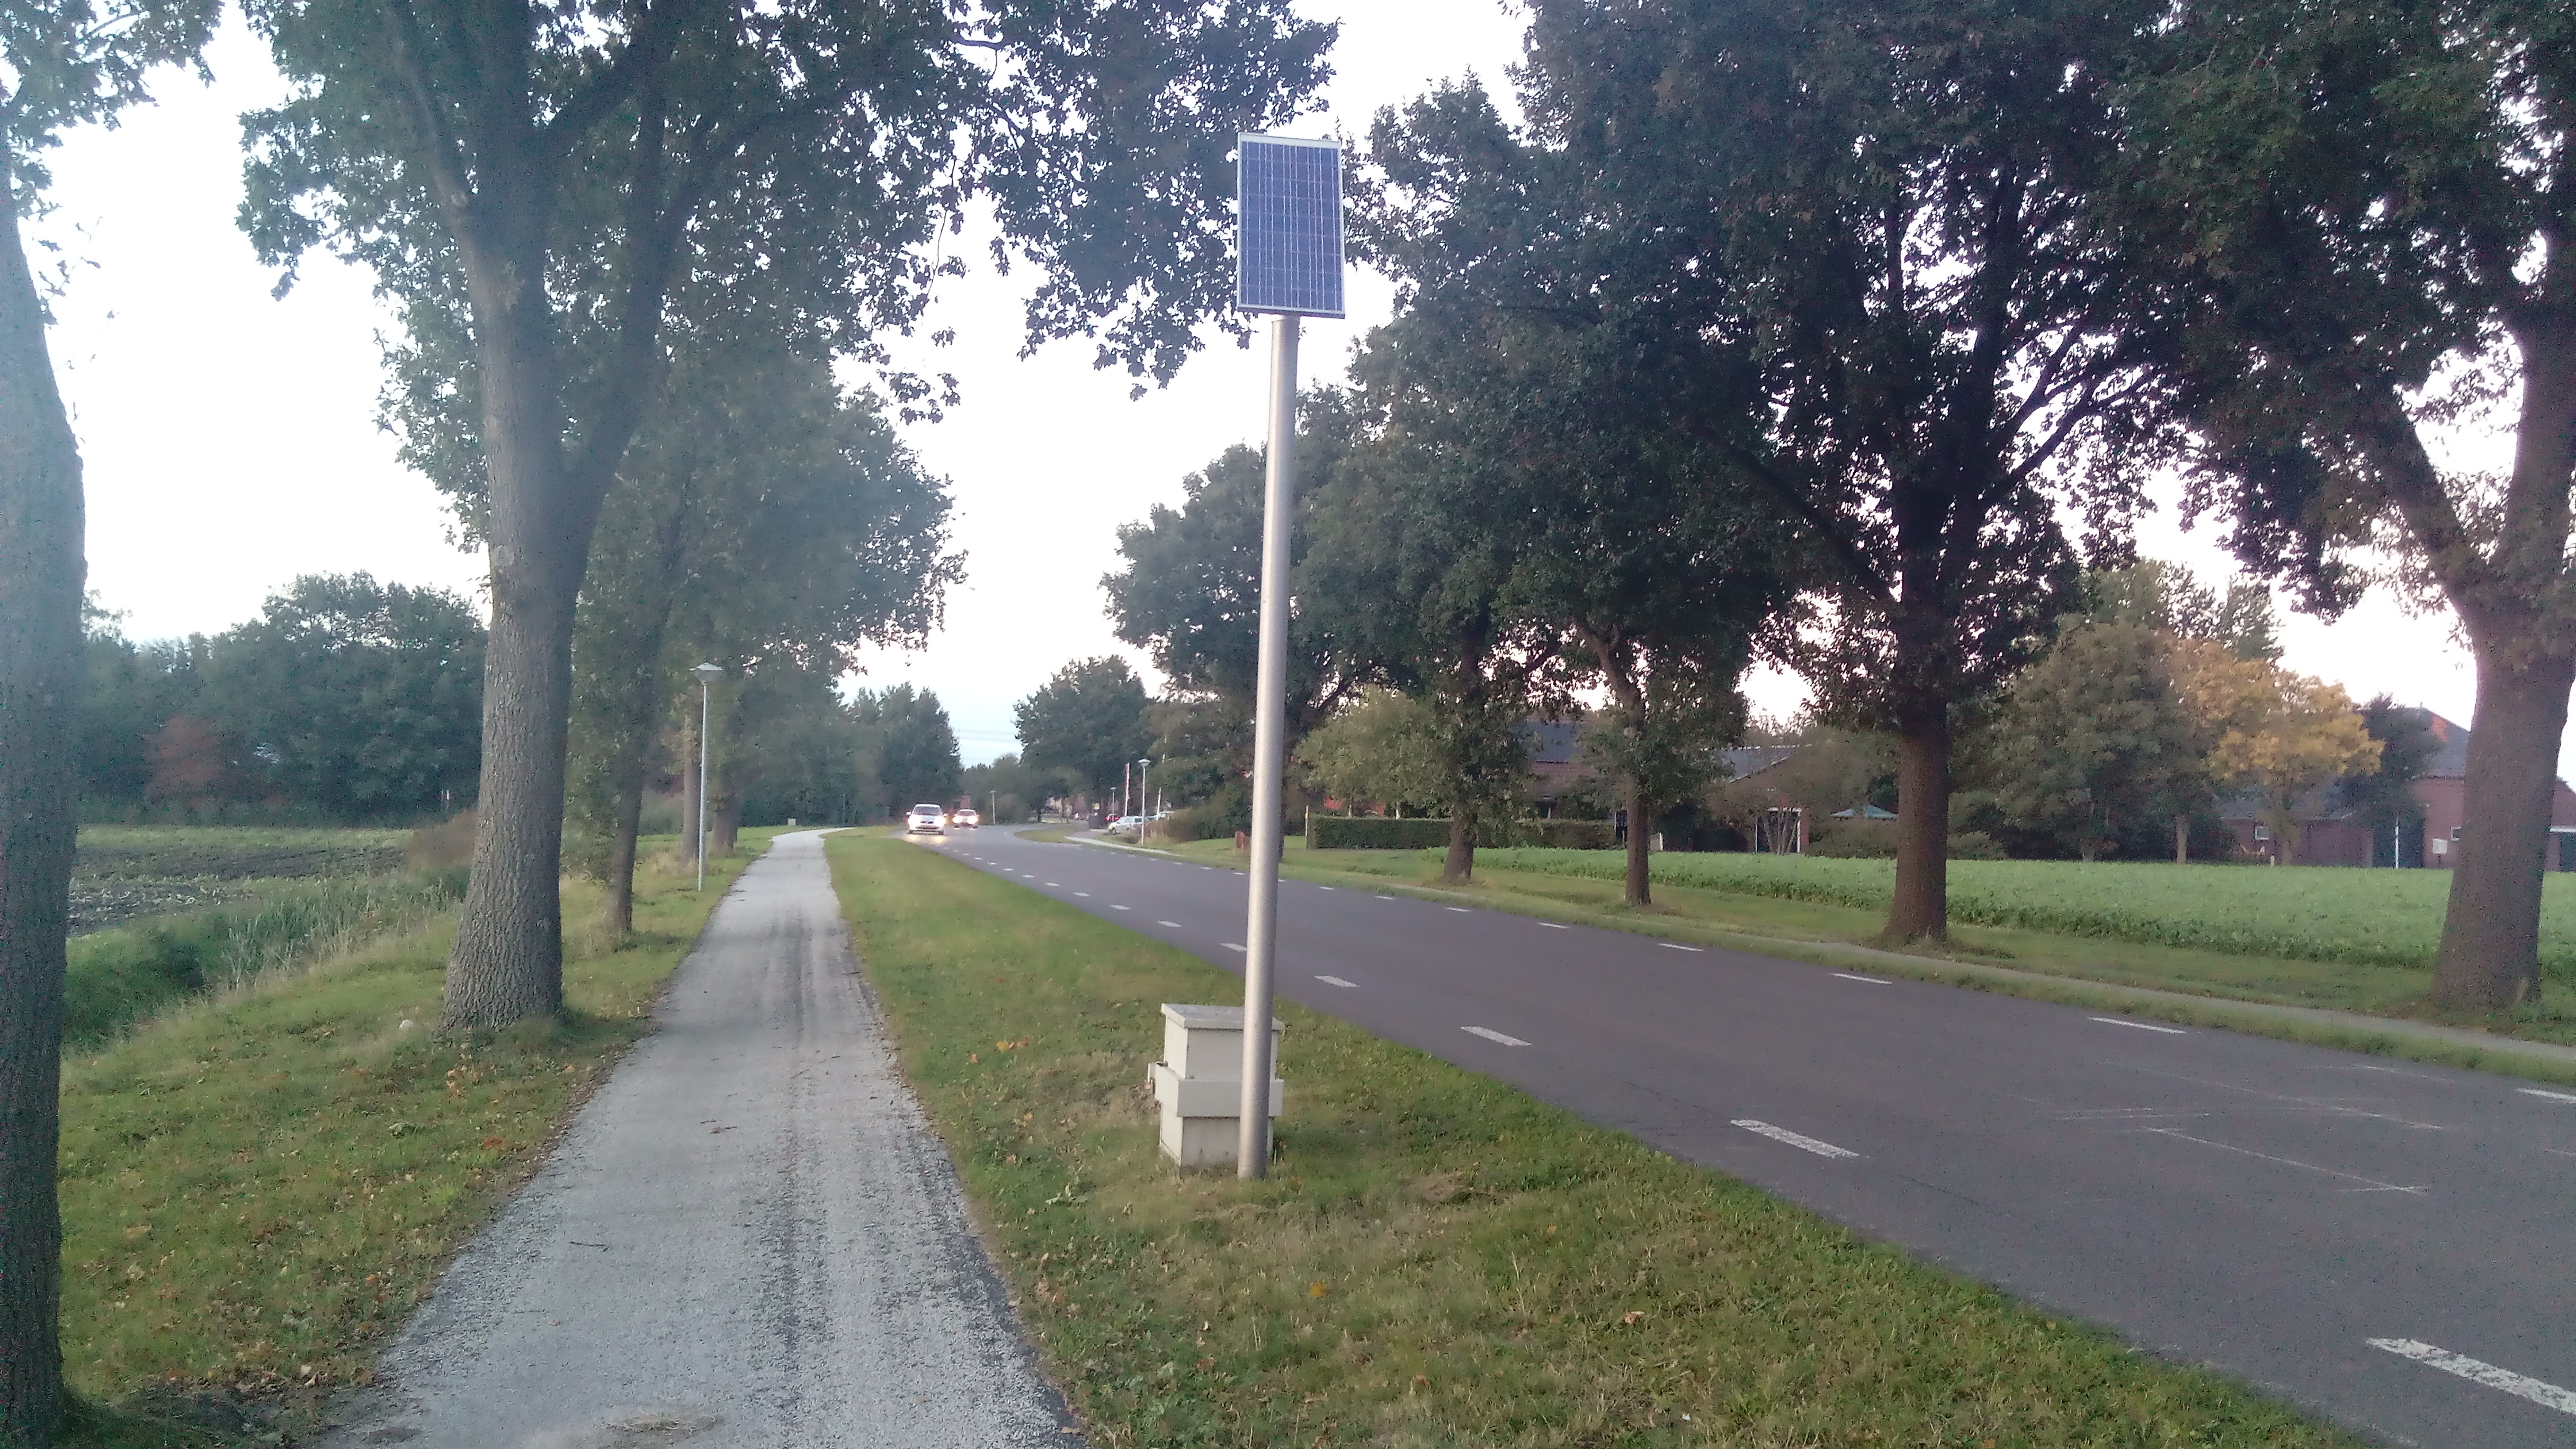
(2366, 215)
(760, 520)
(360, 699)
(1089, 721)
(2383, 800)
(1880, 209)
(2094, 747)
(916, 747)
(1190, 592)
(62, 64)
(531, 185)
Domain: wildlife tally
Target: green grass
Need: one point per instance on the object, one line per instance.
(121, 976)
(2088, 971)
(1437, 1259)
(258, 1188)
(2314, 913)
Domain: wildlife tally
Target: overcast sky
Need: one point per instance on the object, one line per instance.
(230, 439)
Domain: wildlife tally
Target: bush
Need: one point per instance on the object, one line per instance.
(1366, 832)
(1370, 832)
(1854, 840)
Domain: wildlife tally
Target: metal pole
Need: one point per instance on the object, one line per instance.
(1269, 751)
(704, 690)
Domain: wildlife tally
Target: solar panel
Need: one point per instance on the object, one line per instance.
(1288, 220)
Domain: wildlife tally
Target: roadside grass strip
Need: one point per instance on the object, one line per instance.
(258, 1188)
(1436, 1259)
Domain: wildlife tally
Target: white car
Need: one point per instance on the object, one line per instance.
(1125, 824)
(966, 820)
(926, 820)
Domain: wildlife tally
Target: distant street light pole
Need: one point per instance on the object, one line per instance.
(1144, 771)
(707, 675)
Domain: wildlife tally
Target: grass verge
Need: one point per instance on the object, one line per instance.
(2201, 987)
(258, 1188)
(1438, 1259)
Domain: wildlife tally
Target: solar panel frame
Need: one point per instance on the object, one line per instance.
(1288, 254)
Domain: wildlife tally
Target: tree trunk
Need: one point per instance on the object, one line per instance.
(1639, 892)
(724, 823)
(2490, 954)
(1460, 864)
(41, 578)
(689, 793)
(620, 910)
(2182, 840)
(1920, 910)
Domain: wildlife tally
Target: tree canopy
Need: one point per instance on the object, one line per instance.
(1089, 721)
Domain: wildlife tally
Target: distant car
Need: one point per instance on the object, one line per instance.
(1127, 823)
(966, 819)
(926, 820)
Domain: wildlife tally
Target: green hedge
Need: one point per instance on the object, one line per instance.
(1343, 832)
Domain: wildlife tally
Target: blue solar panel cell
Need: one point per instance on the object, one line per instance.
(1288, 253)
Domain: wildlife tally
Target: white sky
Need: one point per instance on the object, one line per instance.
(230, 440)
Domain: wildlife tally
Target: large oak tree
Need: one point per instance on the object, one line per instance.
(532, 183)
(2366, 215)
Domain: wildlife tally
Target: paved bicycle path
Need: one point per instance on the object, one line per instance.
(749, 1237)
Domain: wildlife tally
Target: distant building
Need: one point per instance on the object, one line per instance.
(2330, 835)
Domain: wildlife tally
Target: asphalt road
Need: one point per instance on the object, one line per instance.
(2384, 1243)
(750, 1238)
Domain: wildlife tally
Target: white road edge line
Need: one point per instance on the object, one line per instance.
(2138, 1025)
(1231, 946)
(1086, 895)
(1386, 898)
(1462, 910)
(1121, 908)
(1794, 1139)
(2551, 1096)
(1175, 925)
(1677, 946)
(1337, 981)
(2372, 1184)
(2522, 1386)
(1489, 1034)
(1872, 980)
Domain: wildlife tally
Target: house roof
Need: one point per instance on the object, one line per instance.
(2450, 759)
(1553, 742)
(1752, 760)
(1864, 811)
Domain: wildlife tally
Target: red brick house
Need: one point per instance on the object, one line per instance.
(2330, 836)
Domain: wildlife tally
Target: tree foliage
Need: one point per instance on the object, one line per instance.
(1089, 721)
(533, 186)
(2360, 217)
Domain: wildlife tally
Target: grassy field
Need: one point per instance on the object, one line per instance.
(258, 1188)
(130, 872)
(2049, 965)
(2311, 913)
(1438, 1259)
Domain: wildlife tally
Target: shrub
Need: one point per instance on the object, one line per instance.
(1369, 832)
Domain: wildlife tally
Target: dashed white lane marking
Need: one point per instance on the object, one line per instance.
(1556, 926)
(1337, 981)
(1676, 946)
(1082, 895)
(1794, 1139)
(2138, 1025)
(2478, 1372)
(1462, 910)
(1175, 925)
(2551, 1096)
(1872, 980)
(2369, 1184)
(1051, 885)
(1118, 908)
(1323, 888)
(1386, 898)
(1489, 1034)
(1231, 946)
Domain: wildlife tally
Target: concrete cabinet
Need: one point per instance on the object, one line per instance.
(1199, 1082)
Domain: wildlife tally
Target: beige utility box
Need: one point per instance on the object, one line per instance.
(1199, 1082)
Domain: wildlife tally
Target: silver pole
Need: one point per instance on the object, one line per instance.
(704, 690)
(1269, 751)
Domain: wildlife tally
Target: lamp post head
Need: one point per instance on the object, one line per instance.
(708, 673)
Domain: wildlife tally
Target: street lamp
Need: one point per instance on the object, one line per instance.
(1144, 768)
(707, 675)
